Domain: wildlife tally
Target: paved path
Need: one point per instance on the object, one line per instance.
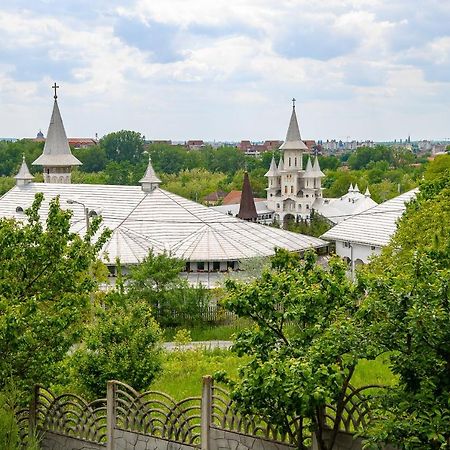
(208, 345)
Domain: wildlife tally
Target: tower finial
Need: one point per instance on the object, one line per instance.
(293, 103)
(55, 87)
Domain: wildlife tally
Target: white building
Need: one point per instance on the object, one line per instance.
(146, 217)
(363, 235)
(293, 192)
(293, 189)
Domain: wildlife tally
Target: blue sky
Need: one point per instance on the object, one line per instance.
(227, 69)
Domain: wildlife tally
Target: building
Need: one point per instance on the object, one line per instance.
(293, 184)
(363, 235)
(146, 217)
(335, 210)
(194, 144)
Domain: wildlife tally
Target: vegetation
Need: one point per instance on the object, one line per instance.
(408, 309)
(296, 371)
(44, 292)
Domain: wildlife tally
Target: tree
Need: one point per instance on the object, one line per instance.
(121, 343)
(295, 370)
(44, 291)
(93, 158)
(123, 145)
(407, 311)
(156, 281)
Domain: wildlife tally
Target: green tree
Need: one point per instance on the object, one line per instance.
(94, 158)
(122, 342)
(123, 145)
(44, 291)
(407, 311)
(438, 167)
(157, 281)
(294, 371)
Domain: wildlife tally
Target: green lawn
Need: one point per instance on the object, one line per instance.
(182, 371)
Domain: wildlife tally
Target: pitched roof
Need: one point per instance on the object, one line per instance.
(247, 209)
(24, 173)
(150, 175)
(316, 168)
(159, 220)
(273, 170)
(56, 149)
(293, 140)
(374, 226)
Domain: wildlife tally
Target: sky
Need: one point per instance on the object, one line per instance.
(227, 69)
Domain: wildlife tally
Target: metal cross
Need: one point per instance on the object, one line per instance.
(293, 102)
(55, 87)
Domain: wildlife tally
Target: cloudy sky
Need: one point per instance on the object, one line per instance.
(227, 69)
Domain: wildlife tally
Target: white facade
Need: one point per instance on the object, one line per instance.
(366, 233)
(294, 184)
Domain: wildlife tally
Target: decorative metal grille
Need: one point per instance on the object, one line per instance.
(157, 414)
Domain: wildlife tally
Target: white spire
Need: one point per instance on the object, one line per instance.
(280, 165)
(273, 171)
(367, 193)
(350, 189)
(316, 168)
(149, 181)
(293, 140)
(56, 149)
(356, 188)
(23, 176)
(309, 167)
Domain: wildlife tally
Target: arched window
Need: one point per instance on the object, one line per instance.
(289, 161)
(285, 189)
(295, 162)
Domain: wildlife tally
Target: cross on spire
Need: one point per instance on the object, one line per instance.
(55, 87)
(293, 103)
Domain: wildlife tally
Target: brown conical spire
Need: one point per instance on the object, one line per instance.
(247, 208)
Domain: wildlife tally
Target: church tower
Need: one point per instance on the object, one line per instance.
(56, 159)
(291, 189)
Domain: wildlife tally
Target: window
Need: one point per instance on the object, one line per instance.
(289, 161)
(187, 267)
(216, 266)
(285, 189)
(292, 189)
(200, 266)
(295, 162)
(307, 206)
(347, 244)
(373, 247)
(230, 265)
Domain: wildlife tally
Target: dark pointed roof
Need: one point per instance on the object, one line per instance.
(247, 208)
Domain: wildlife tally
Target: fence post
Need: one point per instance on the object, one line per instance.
(32, 414)
(206, 416)
(110, 414)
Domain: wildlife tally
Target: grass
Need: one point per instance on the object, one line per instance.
(209, 333)
(182, 372)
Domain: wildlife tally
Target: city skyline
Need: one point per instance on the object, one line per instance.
(226, 71)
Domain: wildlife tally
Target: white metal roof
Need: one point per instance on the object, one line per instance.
(374, 226)
(159, 220)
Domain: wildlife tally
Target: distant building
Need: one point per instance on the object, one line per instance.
(194, 144)
(73, 142)
(214, 198)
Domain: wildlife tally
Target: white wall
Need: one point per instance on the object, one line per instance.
(360, 251)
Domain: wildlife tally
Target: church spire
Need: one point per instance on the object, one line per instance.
(247, 208)
(293, 140)
(316, 168)
(273, 170)
(149, 181)
(24, 176)
(56, 159)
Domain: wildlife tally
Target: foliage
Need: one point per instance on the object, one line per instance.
(121, 343)
(11, 155)
(364, 155)
(44, 292)
(407, 310)
(297, 371)
(156, 280)
(123, 145)
(316, 226)
(437, 167)
(6, 183)
(94, 158)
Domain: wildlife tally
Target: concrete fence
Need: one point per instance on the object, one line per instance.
(129, 420)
